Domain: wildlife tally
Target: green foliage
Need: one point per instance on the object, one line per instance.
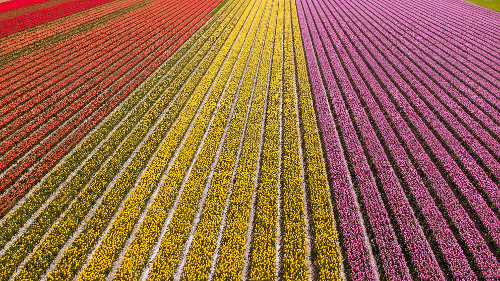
(490, 4)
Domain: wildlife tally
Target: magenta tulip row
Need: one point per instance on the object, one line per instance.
(411, 138)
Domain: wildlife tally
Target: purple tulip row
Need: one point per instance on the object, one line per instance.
(435, 143)
(398, 104)
(470, 165)
(434, 29)
(453, 122)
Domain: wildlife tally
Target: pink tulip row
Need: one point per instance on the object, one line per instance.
(476, 24)
(447, 137)
(420, 106)
(365, 87)
(479, 172)
(35, 18)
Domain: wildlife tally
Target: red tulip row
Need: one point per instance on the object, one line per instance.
(50, 159)
(12, 5)
(135, 64)
(35, 18)
(26, 37)
(65, 94)
(20, 77)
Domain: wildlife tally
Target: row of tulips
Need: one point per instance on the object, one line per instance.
(451, 252)
(114, 140)
(74, 213)
(125, 221)
(264, 236)
(101, 48)
(55, 68)
(64, 98)
(139, 71)
(34, 18)
(73, 257)
(479, 37)
(197, 256)
(410, 180)
(295, 225)
(349, 53)
(130, 110)
(233, 240)
(187, 176)
(35, 35)
(102, 186)
(30, 8)
(480, 146)
(325, 240)
(12, 5)
(468, 164)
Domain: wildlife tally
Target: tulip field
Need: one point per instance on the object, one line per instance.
(249, 139)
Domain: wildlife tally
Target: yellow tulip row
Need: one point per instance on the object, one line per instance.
(263, 251)
(178, 230)
(328, 260)
(204, 243)
(79, 249)
(15, 219)
(138, 252)
(113, 241)
(255, 45)
(71, 194)
(295, 256)
(59, 233)
(230, 262)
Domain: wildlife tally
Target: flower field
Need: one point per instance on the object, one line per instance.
(249, 139)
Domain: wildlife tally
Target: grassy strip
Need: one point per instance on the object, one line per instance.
(490, 4)
(325, 249)
(214, 11)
